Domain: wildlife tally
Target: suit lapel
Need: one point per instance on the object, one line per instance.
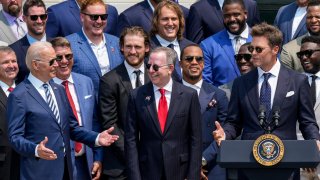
(124, 78)
(282, 87)
(147, 10)
(217, 10)
(300, 27)
(60, 103)
(3, 98)
(251, 87)
(75, 11)
(25, 44)
(205, 96)
(289, 23)
(80, 96)
(111, 48)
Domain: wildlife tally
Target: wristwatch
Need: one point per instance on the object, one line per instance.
(203, 162)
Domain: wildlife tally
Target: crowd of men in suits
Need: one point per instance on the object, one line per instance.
(160, 86)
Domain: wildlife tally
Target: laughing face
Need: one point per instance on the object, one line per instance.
(35, 28)
(192, 69)
(234, 18)
(310, 64)
(8, 67)
(64, 65)
(168, 24)
(313, 20)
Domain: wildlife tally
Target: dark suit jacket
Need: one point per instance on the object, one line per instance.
(20, 47)
(9, 159)
(292, 96)
(177, 151)
(115, 87)
(32, 120)
(182, 43)
(206, 19)
(64, 19)
(140, 14)
(210, 114)
(284, 21)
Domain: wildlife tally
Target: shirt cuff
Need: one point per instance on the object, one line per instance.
(36, 152)
(97, 140)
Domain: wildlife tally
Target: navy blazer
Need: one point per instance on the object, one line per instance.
(85, 61)
(220, 67)
(206, 19)
(64, 19)
(140, 14)
(20, 47)
(292, 96)
(33, 120)
(177, 151)
(210, 114)
(284, 21)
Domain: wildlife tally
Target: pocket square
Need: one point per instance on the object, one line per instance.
(87, 96)
(290, 93)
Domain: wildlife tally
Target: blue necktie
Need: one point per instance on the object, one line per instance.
(265, 94)
(51, 103)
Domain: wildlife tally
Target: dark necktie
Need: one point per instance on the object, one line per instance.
(51, 103)
(265, 94)
(10, 89)
(162, 109)
(176, 66)
(78, 146)
(313, 89)
(138, 82)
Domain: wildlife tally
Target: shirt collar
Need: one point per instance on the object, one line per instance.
(131, 69)
(317, 74)
(221, 3)
(274, 70)
(5, 86)
(244, 34)
(194, 86)
(166, 43)
(59, 81)
(37, 83)
(91, 43)
(152, 8)
(33, 40)
(10, 18)
(167, 87)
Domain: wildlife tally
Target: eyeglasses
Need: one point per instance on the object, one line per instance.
(189, 59)
(239, 57)
(67, 56)
(35, 17)
(155, 67)
(308, 53)
(51, 62)
(257, 48)
(95, 17)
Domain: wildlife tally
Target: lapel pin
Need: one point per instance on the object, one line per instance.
(148, 98)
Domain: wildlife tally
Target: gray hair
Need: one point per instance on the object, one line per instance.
(35, 51)
(6, 49)
(171, 55)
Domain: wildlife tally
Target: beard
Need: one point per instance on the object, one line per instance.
(14, 9)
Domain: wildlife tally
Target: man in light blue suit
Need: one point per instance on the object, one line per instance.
(41, 122)
(219, 50)
(80, 87)
(214, 107)
(95, 52)
(292, 18)
(64, 19)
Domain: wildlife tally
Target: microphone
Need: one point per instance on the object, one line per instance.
(262, 114)
(276, 115)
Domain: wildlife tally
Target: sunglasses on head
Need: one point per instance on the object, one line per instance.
(191, 58)
(239, 57)
(51, 62)
(35, 17)
(257, 48)
(155, 67)
(308, 53)
(95, 17)
(67, 56)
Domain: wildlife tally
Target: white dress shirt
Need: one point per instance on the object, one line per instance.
(197, 86)
(165, 43)
(133, 76)
(5, 87)
(298, 16)
(243, 37)
(317, 82)
(168, 92)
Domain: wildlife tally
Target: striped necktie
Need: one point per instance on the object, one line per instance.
(51, 103)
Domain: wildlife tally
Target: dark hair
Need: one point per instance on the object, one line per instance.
(272, 33)
(134, 30)
(60, 42)
(173, 6)
(240, 2)
(313, 3)
(87, 3)
(190, 45)
(311, 39)
(31, 3)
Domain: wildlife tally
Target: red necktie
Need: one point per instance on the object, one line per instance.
(162, 109)
(10, 89)
(78, 146)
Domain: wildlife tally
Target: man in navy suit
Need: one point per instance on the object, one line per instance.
(163, 129)
(206, 18)
(64, 19)
(220, 66)
(214, 107)
(41, 121)
(291, 20)
(82, 99)
(115, 87)
(140, 14)
(35, 16)
(95, 52)
(167, 30)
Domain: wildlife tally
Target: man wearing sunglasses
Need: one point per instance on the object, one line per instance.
(35, 16)
(41, 121)
(309, 56)
(64, 19)
(80, 93)
(219, 49)
(12, 25)
(288, 54)
(214, 107)
(95, 52)
(163, 127)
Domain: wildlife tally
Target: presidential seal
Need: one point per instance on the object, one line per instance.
(268, 150)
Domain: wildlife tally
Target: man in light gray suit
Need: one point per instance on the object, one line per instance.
(309, 56)
(11, 23)
(288, 55)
